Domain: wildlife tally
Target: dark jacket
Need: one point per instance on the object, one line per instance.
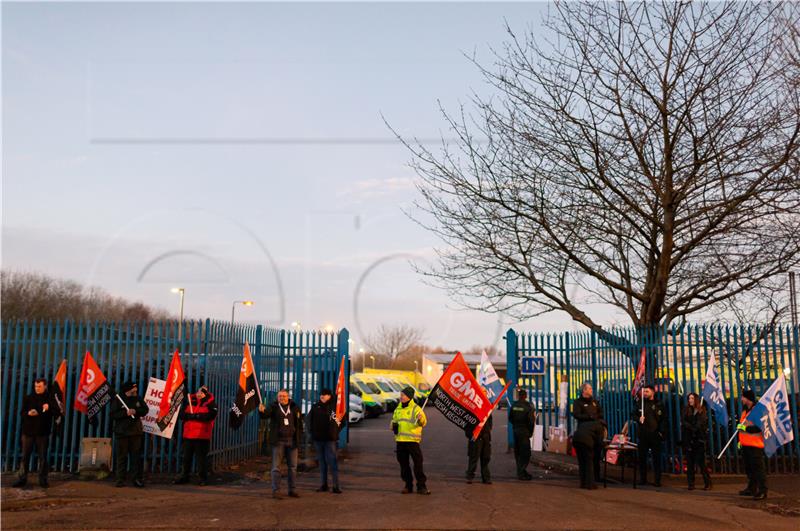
(486, 431)
(694, 428)
(322, 422)
(655, 421)
(589, 433)
(521, 416)
(275, 417)
(41, 424)
(125, 426)
(587, 410)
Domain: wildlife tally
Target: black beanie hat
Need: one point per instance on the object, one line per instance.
(127, 386)
(326, 391)
(409, 392)
(749, 394)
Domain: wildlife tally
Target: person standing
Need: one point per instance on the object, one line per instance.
(285, 426)
(198, 424)
(751, 442)
(129, 433)
(38, 411)
(652, 427)
(522, 419)
(694, 427)
(408, 420)
(325, 434)
(480, 450)
(588, 436)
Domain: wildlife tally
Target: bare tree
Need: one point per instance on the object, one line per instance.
(391, 341)
(645, 157)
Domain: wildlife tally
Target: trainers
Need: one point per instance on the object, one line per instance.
(336, 490)
(424, 491)
(21, 482)
(138, 483)
(323, 488)
(293, 494)
(181, 480)
(761, 495)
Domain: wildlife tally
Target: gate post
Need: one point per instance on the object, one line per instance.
(343, 353)
(512, 372)
(594, 361)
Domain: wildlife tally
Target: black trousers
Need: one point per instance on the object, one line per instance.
(198, 449)
(129, 450)
(406, 450)
(522, 452)
(755, 468)
(40, 442)
(649, 444)
(696, 457)
(588, 469)
(480, 450)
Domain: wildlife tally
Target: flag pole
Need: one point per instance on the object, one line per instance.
(121, 401)
(735, 433)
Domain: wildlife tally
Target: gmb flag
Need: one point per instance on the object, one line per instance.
(248, 396)
(341, 398)
(174, 391)
(460, 398)
(59, 392)
(773, 415)
(712, 392)
(488, 378)
(94, 392)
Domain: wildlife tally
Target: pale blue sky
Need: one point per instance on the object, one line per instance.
(203, 139)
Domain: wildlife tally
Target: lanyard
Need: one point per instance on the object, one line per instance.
(288, 409)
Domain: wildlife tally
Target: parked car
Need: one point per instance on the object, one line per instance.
(355, 409)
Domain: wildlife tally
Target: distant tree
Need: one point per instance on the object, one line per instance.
(28, 296)
(646, 158)
(393, 340)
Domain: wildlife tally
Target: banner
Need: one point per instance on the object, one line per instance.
(342, 401)
(712, 392)
(248, 396)
(174, 392)
(59, 392)
(639, 380)
(94, 392)
(774, 416)
(488, 379)
(152, 397)
(459, 396)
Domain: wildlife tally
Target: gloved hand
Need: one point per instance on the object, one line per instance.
(739, 446)
(741, 426)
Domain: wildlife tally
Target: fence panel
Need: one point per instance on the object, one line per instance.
(211, 354)
(677, 358)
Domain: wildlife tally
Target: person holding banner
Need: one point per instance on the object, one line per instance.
(198, 424)
(38, 411)
(751, 441)
(325, 433)
(522, 417)
(480, 449)
(694, 427)
(127, 412)
(285, 428)
(652, 427)
(408, 420)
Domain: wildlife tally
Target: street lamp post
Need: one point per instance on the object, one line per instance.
(182, 292)
(373, 361)
(233, 308)
(363, 359)
(416, 366)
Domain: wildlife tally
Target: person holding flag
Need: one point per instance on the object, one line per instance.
(127, 412)
(408, 420)
(652, 427)
(198, 425)
(479, 449)
(325, 432)
(285, 433)
(38, 410)
(751, 442)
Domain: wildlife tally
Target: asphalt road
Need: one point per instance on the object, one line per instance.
(370, 479)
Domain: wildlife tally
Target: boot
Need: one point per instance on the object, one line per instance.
(707, 485)
(760, 495)
(19, 483)
(181, 480)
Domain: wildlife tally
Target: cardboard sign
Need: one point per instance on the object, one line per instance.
(152, 397)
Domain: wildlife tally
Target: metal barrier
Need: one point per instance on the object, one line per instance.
(211, 354)
(748, 356)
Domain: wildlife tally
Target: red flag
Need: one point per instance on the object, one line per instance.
(638, 381)
(341, 399)
(173, 395)
(247, 390)
(60, 385)
(459, 396)
(94, 392)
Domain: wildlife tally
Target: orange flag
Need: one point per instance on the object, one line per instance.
(174, 391)
(60, 385)
(94, 392)
(246, 393)
(341, 399)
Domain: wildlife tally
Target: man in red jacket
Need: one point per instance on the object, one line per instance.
(198, 423)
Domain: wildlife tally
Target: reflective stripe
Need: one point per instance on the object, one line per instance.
(755, 440)
(406, 419)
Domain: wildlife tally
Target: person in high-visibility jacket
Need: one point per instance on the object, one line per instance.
(407, 423)
(751, 442)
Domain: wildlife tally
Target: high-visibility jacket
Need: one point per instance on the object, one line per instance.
(756, 440)
(410, 420)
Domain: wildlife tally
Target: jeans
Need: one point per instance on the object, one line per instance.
(480, 450)
(197, 448)
(129, 449)
(326, 455)
(406, 450)
(41, 444)
(281, 450)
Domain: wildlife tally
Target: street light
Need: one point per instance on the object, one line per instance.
(233, 308)
(416, 366)
(297, 326)
(182, 291)
(329, 328)
(373, 361)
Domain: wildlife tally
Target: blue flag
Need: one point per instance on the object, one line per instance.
(773, 416)
(488, 378)
(712, 392)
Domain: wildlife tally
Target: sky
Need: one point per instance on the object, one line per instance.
(242, 151)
